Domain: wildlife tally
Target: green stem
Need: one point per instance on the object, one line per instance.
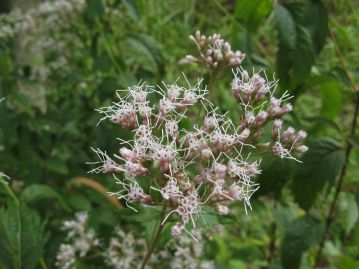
(155, 238)
(43, 264)
(348, 149)
(9, 191)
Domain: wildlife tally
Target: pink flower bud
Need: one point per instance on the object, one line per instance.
(128, 155)
(302, 149)
(243, 136)
(177, 229)
(300, 136)
(277, 125)
(286, 109)
(222, 209)
(220, 170)
(235, 192)
(261, 118)
(288, 135)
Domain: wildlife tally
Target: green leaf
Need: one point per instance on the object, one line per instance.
(144, 213)
(347, 262)
(79, 202)
(22, 238)
(316, 20)
(56, 165)
(36, 192)
(331, 100)
(301, 234)
(146, 47)
(275, 174)
(302, 31)
(352, 213)
(286, 42)
(252, 12)
(321, 164)
(304, 56)
(94, 9)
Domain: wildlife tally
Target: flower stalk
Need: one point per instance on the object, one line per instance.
(349, 146)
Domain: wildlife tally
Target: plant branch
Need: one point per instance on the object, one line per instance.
(156, 235)
(349, 146)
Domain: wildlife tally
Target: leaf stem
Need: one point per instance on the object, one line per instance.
(349, 146)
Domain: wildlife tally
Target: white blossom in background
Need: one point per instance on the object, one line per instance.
(211, 163)
(125, 250)
(81, 239)
(184, 253)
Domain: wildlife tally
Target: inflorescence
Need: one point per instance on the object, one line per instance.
(209, 164)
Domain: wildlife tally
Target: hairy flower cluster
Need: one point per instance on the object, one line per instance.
(214, 52)
(208, 164)
(81, 241)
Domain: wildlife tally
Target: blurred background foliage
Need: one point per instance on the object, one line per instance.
(57, 67)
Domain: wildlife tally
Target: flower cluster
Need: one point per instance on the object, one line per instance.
(125, 250)
(184, 253)
(51, 14)
(214, 52)
(208, 164)
(82, 240)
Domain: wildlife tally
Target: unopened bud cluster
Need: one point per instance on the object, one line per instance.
(214, 52)
(209, 163)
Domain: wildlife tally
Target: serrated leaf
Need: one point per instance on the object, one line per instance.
(321, 165)
(22, 238)
(302, 31)
(301, 234)
(36, 192)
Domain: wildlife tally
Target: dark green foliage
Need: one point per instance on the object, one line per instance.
(36, 192)
(321, 165)
(301, 234)
(43, 147)
(302, 30)
(22, 237)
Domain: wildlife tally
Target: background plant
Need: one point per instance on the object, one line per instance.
(45, 134)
